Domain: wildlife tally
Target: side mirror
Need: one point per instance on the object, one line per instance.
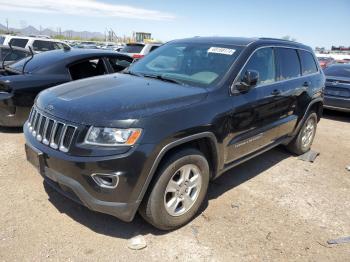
(249, 79)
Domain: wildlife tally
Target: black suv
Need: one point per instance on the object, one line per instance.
(150, 139)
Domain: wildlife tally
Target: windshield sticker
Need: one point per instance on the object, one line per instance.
(221, 50)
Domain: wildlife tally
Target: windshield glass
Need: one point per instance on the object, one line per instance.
(338, 70)
(39, 61)
(190, 63)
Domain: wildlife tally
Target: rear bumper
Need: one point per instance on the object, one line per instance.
(337, 103)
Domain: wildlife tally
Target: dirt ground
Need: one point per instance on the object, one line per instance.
(272, 208)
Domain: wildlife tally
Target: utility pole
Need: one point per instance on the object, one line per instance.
(7, 25)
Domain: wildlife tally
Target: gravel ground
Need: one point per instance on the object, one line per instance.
(272, 208)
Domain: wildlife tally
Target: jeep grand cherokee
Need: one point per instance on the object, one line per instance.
(151, 138)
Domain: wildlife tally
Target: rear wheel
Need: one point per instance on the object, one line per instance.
(179, 190)
(303, 141)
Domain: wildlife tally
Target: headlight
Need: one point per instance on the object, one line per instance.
(105, 136)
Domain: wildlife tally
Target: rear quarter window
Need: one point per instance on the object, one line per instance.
(133, 48)
(19, 42)
(308, 63)
(42, 46)
(288, 62)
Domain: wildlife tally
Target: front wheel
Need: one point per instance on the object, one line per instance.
(303, 141)
(179, 190)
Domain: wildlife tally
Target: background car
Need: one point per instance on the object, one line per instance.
(8, 57)
(325, 61)
(38, 44)
(337, 91)
(22, 81)
(138, 50)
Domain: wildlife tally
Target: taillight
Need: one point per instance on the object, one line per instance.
(137, 56)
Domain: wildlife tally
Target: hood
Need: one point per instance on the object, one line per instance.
(103, 100)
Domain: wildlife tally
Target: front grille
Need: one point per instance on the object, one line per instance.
(56, 134)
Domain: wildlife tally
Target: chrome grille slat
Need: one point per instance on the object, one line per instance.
(51, 132)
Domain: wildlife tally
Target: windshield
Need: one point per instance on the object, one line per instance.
(190, 63)
(132, 48)
(338, 70)
(39, 61)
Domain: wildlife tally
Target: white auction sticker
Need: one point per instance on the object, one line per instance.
(221, 50)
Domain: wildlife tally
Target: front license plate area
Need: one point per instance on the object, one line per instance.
(36, 158)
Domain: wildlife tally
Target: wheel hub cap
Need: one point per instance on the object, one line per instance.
(182, 190)
(308, 133)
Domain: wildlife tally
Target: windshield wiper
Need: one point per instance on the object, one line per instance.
(132, 73)
(166, 79)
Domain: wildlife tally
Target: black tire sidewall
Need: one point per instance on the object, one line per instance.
(160, 217)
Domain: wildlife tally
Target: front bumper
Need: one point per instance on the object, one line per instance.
(11, 115)
(337, 103)
(71, 176)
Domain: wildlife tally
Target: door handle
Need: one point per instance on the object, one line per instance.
(306, 84)
(276, 92)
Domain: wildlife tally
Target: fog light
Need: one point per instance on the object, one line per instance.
(109, 181)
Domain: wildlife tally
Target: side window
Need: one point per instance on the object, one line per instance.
(288, 62)
(58, 45)
(153, 48)
(19, 42)
(263, 62)
(43, 46)
(308, 64)
(119, 63)
(4, 51)
(87, 68)
(16, 55)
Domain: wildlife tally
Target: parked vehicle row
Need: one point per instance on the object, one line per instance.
(37, 44)
(151, 137)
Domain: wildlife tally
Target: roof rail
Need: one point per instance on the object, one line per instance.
(277, 39)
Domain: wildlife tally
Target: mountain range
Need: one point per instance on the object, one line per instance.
(31, 30)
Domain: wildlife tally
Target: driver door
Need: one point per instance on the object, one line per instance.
(256, 115)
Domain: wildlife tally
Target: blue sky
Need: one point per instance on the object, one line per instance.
(316, 23)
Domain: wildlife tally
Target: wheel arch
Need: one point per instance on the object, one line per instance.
(315, 105)
(205, 142)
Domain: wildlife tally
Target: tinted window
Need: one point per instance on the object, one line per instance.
(288, 62)
(338, 70)
(12, 56)
(41, 61)
(132, 48)
(308, 64)
(119, 63)
(189, 63)
(263, 62)
(87, 68)
(42, 46)
(153, 48)
(19, 42)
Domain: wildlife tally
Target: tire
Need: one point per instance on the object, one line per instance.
(163, 206)
(298, 145)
